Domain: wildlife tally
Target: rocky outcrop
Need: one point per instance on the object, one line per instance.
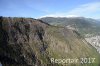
(17, 36)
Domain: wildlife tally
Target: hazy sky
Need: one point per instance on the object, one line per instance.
(40, 8)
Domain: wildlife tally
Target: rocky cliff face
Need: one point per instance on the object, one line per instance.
(17, 36)
(31, 42)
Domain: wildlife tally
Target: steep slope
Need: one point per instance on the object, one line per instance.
(21, 40)
(87, 27)
(31, 42)
(69, 44)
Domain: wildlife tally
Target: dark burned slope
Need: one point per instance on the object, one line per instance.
(27, 41)
(17, 35)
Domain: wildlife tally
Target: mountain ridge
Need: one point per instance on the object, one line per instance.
(84, 25)
(31, 42)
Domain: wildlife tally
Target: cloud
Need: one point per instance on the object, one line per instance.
(54, 15)
(59, 15)
(86, 10)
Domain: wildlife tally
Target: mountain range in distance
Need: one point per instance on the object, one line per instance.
(34, 42)
(82, 24)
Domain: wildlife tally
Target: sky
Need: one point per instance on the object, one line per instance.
(50, 8)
